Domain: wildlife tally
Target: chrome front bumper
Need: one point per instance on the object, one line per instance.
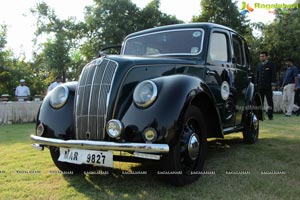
(100, 145)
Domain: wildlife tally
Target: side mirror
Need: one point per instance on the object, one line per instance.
(101, 54)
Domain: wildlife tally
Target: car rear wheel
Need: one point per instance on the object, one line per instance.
(251, 126)
(67, 167)
(185, 161)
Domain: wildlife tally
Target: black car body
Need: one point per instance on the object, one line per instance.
(169, 90)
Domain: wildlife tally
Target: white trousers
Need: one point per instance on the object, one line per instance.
(288, 98)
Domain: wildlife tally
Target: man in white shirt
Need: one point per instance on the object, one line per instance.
(54, 84)
(22, 91)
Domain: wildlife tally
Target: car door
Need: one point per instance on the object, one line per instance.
(219, 76)
(241, 65)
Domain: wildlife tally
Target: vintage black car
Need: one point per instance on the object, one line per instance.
(170, 89)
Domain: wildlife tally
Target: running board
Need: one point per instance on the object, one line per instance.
(232, 129)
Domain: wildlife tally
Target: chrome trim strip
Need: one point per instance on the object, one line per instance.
(77, 96)
(110, 86)
(108, 96)
(90, 97)
(146, 156)
(99, 93)
(99, 70)
(101, 145)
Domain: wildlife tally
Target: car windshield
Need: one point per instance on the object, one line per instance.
(171, 42)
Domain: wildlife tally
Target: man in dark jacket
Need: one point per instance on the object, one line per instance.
(266, 81)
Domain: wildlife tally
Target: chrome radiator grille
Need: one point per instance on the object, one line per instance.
(91, 99)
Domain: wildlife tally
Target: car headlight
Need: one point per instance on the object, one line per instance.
(59, 96)
(114, 128)
(145, 94)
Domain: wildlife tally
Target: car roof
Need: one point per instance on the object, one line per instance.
(204, 25)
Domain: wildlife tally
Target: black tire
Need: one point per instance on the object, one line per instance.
(251, 126)
(67, 167)
(179, 167)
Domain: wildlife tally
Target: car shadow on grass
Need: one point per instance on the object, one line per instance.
(135, 181)
(223, 145)
(118, 183)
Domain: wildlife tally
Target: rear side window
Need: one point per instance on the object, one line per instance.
(218, 49)
(238, 50)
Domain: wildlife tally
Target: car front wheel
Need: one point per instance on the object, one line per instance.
(185, 161)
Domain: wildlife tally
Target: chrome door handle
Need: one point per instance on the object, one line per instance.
(210, 73)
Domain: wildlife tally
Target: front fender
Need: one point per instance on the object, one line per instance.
(58, 123)
(175, 93)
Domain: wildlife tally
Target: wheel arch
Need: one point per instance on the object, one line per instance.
(58, 123)
(258, 102)
(252, 97)
(212, 118)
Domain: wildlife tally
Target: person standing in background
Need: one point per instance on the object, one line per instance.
(289, 86)
(266, 81)
(53, 85)
(297, 93)
(22, 91)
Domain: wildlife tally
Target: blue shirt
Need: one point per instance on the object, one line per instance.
(290, 75)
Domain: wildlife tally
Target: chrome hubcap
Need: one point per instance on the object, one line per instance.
(254, 121)
(193, 146)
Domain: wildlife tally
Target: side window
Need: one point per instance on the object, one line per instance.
(238, 50)
(218, 49)
(247, 54)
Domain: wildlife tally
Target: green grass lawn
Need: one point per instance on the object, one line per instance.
(268, 169)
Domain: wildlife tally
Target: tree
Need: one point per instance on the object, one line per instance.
(281, 38)
(62, 37)
(70, 44)
(155, 17)
(109, 21)
(5, 74)
(3, 30)
(16, 69)
(223, 12)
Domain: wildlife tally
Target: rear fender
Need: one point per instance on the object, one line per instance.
(253, 100)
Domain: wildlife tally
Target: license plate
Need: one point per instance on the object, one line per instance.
(82, 156)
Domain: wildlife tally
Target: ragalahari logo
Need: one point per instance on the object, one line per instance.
(271, 8)
(246, 8)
